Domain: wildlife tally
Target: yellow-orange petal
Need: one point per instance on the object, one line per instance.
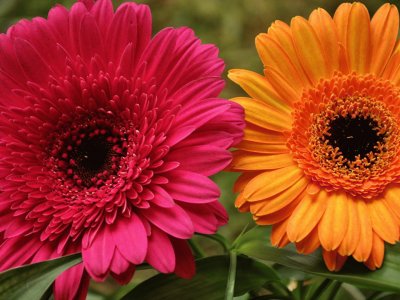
(352, 236)
(270, 183)
(280, 32)
(378, 250)
(254, 133)
(364, 247)
(384, 30)
(283, 87)
(260, 114)
(243, 180)
(277, 202)
(243, 160)
(310, 243)
(392, 70)
(272, 54)
(333, 260)
(358, 38)
(257, 87)
(325, 29)
(313, 188)
(278, 234)
(241, 204)
(309, 49)
(333, 224)
(306, 216)
(262, 147)
(383, 222)
(276, 217)
(392, 200)
(341, 20)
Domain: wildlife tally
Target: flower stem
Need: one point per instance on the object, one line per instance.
(230, 286)
(198, 252)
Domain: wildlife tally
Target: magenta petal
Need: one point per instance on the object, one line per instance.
(192, 187)
(97, 258)
(161, 197)
(185, 266)
(204, 219)
(121, 269)
(72, 284)
(161, 253)
(173, 220)
(204, 159)
(15, 252)
(130, 237)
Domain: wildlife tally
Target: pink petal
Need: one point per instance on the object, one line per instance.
(103, 12)
(17, 227)
(220, 139)
(121, 269)
(173, 220)
(16, 252)
(203, 218)
(97, 258)
(160, 254)
(191, 187)
(90, 39)
(185, 266)
(161, 197)
(130, 237)
(204, 159)
(200, 113)
(72, 284)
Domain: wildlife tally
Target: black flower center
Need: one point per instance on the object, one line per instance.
(354, 137)
(92, 155)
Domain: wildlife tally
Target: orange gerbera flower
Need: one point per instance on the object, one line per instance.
(321, 152)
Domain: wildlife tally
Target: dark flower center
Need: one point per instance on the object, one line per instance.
(354, 136)
(92, 156)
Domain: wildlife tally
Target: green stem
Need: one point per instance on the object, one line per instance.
(230, 286)
(219, 239)
(335, 289)
(322, 287)
(198, 252)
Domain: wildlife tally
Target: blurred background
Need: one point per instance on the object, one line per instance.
(230, 24)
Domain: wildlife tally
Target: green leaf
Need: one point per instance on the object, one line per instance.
(31, 282)
(209, 282)
(383, 279)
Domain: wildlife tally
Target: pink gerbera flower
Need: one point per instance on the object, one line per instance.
(107, 138)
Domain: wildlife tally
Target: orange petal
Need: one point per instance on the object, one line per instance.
(333, 224)
(260, 114)
(258, 88)
(280, 32)
(383, 221)
(273, 204)
(378, 251)
(262, 148)
(272, 54)
(313, 188)
(243, 180)
(277, 216)
(309, 49)
(352, 236)
(364, 247)
(325, 29)
(392, 200)
(392, 70)
(278, 235)
(306, 216)
(310, 243)
(384, 29)
(341, 19)
(283, 87)
(358, 38)
(270, 183)
(243, 160)
(333, 260)
(240, 201)
(258, 134)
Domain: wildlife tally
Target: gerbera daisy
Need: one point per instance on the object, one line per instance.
(107, 140)
(321, 151)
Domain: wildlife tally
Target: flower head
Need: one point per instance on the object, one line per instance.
(320, 154)
(107, 140)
